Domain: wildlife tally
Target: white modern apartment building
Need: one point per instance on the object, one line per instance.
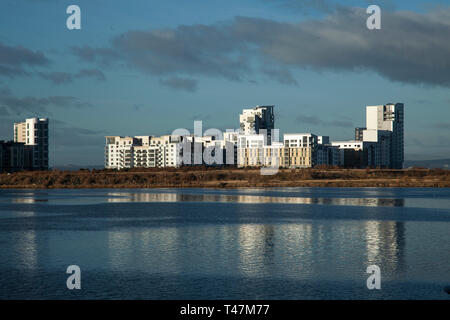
(119, 152)
(142, 151)
(168, 151)
(33, 132)
(254, 120)
(389, 119)
(250, 150)
(273, 155)
(300, 150)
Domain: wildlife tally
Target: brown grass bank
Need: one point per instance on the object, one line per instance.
(208, 177)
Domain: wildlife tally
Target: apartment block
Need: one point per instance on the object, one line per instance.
(119, 152)
(11, 156)
(253, 120)
(300, 150)
(142, 152)
(250, 150)
(274, 155)
(388, 118)
(33, 133)
(356, 154)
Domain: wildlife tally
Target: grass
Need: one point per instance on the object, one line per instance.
(210, 177)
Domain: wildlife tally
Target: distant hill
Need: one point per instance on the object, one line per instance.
(438, 163)
(74, 167)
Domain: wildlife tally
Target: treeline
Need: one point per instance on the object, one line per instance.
(226, 178)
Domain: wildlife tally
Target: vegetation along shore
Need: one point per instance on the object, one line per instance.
(207, 177)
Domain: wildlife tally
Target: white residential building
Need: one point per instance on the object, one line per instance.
(273, 155)
(387, 118)
(119, 152)
(250, 150)
(33, 132)
(257, 119)
(300, 150)
(142, 151)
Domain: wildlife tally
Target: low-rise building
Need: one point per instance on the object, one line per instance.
(356, 154)
(250, 150)
(300, 150)
(12, 156)
(142, 152)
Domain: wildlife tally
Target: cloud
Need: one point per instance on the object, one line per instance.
(91, 73)
(314, 120)
(410, 47)
(65, 77)
(341, 123)
(443, 125)
(36, 105)
(64, 134)
(282, 75)
(14, 60)
(57, 77)
(308, 119)
(100, 55)
(180, 83)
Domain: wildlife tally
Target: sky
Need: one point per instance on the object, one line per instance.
(148, 67)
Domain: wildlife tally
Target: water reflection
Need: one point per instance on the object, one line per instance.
(385, 243)
(250, 199)
(26, 247)
(223, 241)
(256, 249)
(295, 251)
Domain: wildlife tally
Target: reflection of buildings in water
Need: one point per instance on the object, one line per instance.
(297, 244)
(259, 246)
(385, 244)
(256, 249)
(26, 250)
(150, 250)
(251, 199)
(26, 244)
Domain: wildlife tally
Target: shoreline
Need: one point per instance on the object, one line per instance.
(226, 178)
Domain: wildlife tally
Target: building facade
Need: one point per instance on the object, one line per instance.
(388, 118)
(12, 156)
(33, 133)
(254, 120)
(300, 150)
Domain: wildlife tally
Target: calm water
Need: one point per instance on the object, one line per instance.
(288, 243)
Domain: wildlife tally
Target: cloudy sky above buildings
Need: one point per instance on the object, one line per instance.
(149, 67)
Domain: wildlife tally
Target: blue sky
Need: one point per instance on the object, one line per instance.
(149, 67)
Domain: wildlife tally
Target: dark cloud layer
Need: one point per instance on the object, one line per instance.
(410, 47)
(180, 83)
(64, 134)
(313, 120)
(15, 59)
(36, 105)
(66, 77)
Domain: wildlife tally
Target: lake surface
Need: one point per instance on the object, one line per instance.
(277, 243)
